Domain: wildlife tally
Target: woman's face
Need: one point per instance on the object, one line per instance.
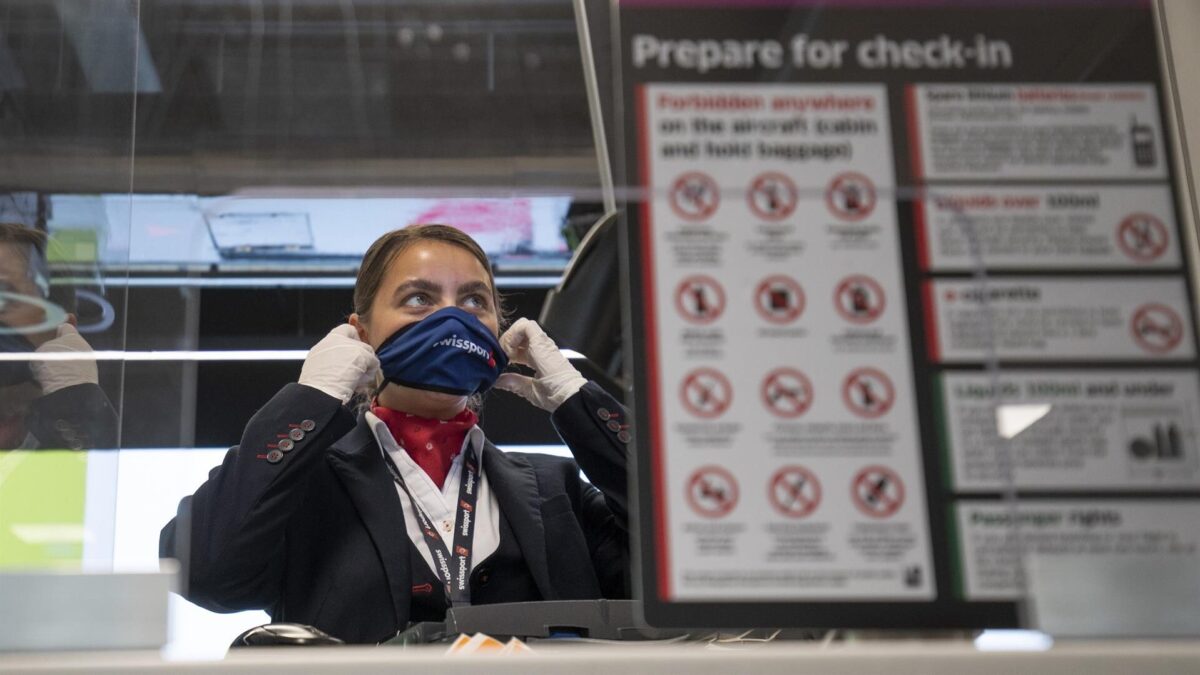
(423, 278)
(14, 314)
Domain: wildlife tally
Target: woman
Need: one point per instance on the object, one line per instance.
(361, 527)
(44, 403)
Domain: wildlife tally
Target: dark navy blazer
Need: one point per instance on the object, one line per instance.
(78, 417)
(318, 537)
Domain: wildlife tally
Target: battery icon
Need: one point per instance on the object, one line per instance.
(1142, 137)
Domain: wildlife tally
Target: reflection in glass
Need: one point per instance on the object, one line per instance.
(52, 399)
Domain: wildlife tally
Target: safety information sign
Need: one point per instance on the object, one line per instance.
(705, 393)
(1087, 430)
(818, 186)
(878, 491)
(1050, 131)
(1043, 319)
(773, 196)
(700, 299)
(888, 265)
(712, 492)
(795, 491)
(991, 559)
(1061, 228)
(859, 299)
(787, 392)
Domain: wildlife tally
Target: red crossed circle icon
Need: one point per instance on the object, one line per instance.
(706, 393)
(850, 196)
(694, 196)
(877, 491)
(1156, 328)
(1142, 237)
(794, 491)
(712, 491)
(772, 196)
(868, 393)
(859, 299)
(700, 299)
(779, 299)
(787, 392)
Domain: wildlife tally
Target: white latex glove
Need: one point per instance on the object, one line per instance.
(56, 375)
(555, 380)
(339, 364)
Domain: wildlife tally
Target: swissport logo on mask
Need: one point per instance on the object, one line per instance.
(456, 342)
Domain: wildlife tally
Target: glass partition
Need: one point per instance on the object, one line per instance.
(208, 176)
(291, 136)
(69, 82)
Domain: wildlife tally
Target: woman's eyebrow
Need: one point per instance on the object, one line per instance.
(418, 285)
(474, 287)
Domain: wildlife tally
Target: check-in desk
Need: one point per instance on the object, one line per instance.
(882, 658)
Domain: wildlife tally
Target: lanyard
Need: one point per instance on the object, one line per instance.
(453, 569)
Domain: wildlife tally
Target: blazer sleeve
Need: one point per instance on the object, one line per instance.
(78, 417)
(229, 535)
(597, 430)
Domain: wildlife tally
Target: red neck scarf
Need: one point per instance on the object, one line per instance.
(432, 444)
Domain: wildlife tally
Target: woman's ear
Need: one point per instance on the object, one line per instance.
(359, 328)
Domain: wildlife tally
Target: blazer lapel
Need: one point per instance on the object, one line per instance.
(358, 462)
(512, 480)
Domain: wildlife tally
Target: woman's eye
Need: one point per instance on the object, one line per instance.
(475, 302)
(416, 300)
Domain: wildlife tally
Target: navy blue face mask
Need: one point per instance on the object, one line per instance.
(449, 351)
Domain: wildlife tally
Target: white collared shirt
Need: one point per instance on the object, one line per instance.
(441, 505)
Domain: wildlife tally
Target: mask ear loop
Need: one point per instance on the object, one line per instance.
(378, 389)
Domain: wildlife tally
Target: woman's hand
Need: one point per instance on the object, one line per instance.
(54, 375)
(340, 364)
(555, 380)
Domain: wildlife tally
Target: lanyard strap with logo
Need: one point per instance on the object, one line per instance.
(452, 568)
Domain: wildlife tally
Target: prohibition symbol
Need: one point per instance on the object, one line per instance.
(787, 392)
(706, 393)
(850, 196)
(868, 393)
(1142, 237)
(772, 196)
(700, 299)
(1156, 328)
(859, 299)
(877, 491)
(794, 491)
(712, 492)
(694, 196)
(779, 299)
